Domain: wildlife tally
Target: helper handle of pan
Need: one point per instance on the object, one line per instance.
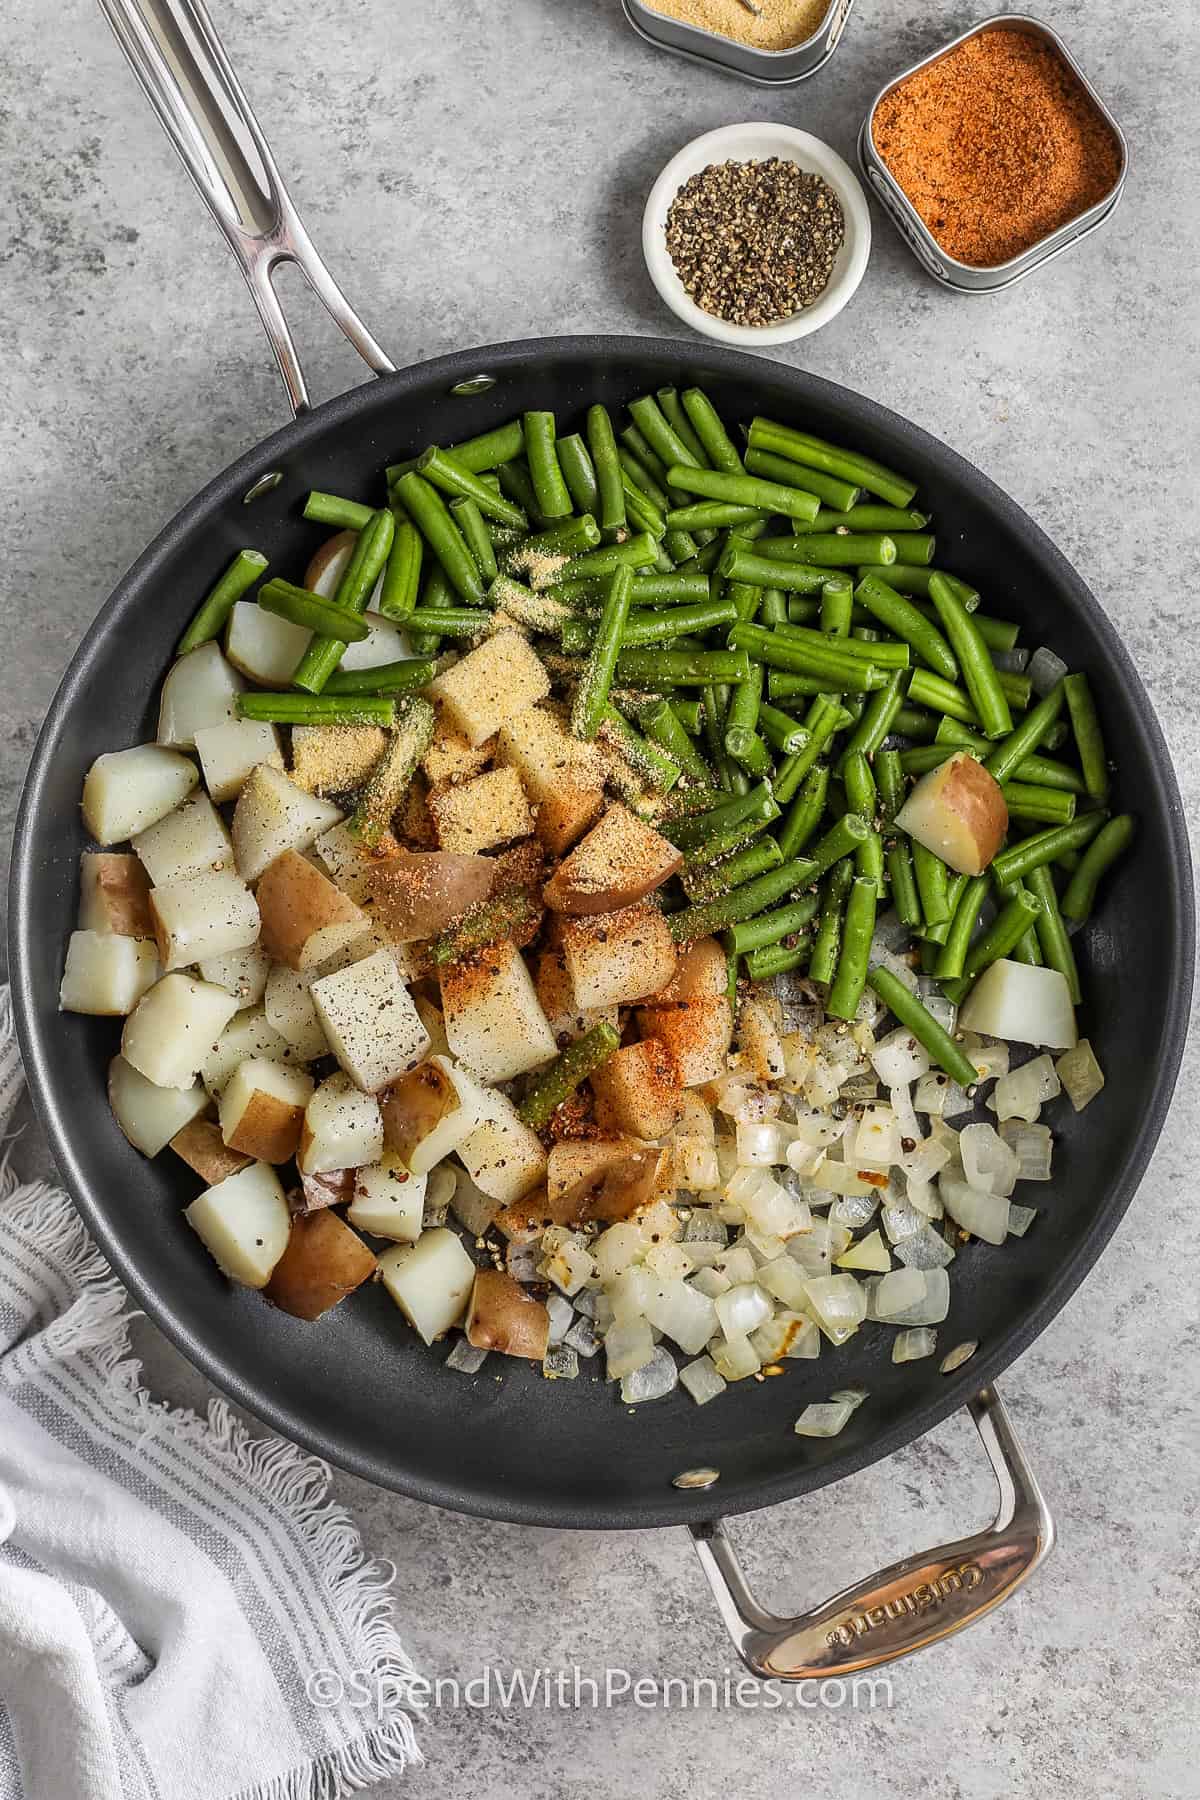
(914, 1603)
(187, 78)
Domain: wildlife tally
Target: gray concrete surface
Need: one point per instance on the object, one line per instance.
(473, 172)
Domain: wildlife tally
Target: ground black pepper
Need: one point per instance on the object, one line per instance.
(755, 242)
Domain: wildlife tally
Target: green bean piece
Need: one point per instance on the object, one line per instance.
(878, 718)
(683, 668)
(436, 594)
(777, 959)
(659, 433)
(915, 1018)
(923, 757)
(553, 499)
(933, 880)
(716, 702)
(743, 490)
(1015, 863)
(914, 578)
(440, 469)
(354, 591)
(844, 838)
(648, 762)
(301, 607)
(744, 704)
(1047, 806)
(999, 940)
(899, 616)
(591, 696)
(859, 783)
(782, 732)
(739, 563)
(516, 485)
(721, 846)
(451, 621)
(752, 753)
(845, 550)
(823, 961)
(635, 471)
(773, 610)
(433, 519)
(400, 677)
(705, 878)
(332, 509)
(402, 572)
(542, 611)
(1042, 771)
(469, 519)
(783, 685)
(706, 423)
(837, 606)
(831, 664)
(546, 554)
(1028, 950)
(487, 922)
(758, 804)
(680, 546)
(854, 957)
(1010, 755)
(927, 689)
(772, 927)
(905, 897)
(637, 445)
(889, 780)
(636, 552)
(805, 813)
(915, 723)
(578, 471)
(953, 953)
(1052, 933)
(487, 451)
(603, 447)
(825, 719)
(673, 412)
(648, 627)
(746, 902)
(663, 727)
(572, 1066)
(937, 934)
(915, 548)
(389, 781)
(712, 515)
(1104, 850)
(688, 712)
(978, 670)
(210, 616)
(882, 653)
(838, 495)
(317, 709)
(1089, 740)
(870, 518)
(847, 465)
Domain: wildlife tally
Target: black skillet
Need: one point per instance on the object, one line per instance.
(357, 1387)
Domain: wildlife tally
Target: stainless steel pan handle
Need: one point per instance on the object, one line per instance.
(914, 1603)
(187, 78)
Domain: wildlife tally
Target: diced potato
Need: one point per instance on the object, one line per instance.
(428, 1113)
(244, 1223)
(493, 1020)
(327, 564)
(203, 1149)
(249, 1033)
(335, 759)
(959, 812)
(173, 1028)
(637, 1090)
(692, 1017)
(150, 1116)
(349, 862)
(563, 777)
(200, 690)
(417, 893)
(408, 958)
(389, 1199)
(556, 996)
(451, 758)
(305, 918)
(333, 1187)
(523, 1221)
(290, 1011)
(203, 915)
(607, 1180)
(114, 894)
(384, 643)
(274, 815)
(430, 1281)
(342, 1128)
(242, 973)
(192, 840)
(492, 685)
(503, 1157)
(1022, 1004)
(229, 753)
(505, 1317)
(323, 1262)
(616, 958)
(106, 975)
(263, 646)
(370, 1022)
(618, 863)
(477, 815)
(261, 1109)
(126, 790)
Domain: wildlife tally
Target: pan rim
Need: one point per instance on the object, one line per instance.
(678, 1506)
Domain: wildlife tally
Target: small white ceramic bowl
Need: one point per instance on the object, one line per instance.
(756, 143)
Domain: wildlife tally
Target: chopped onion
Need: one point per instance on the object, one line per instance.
(785, 1280)
(763, 1143)
(561, 1363)
(911, 1345)
(815, 1250)
(891, 933)
(852, 1396)
(1020, 1218)
(924, 1249)
(961, 1353)
(854, 1210)
(943, 1010)
(1080, 1074)
(823, 1421)
(877, 1140)
(701, 1380)
(1021, 1002)
(882, 958)
(583, 1338)
(1033, 1147)
(670, 1261)
(990, 1056)
(521, 1261)
(743, 1309)
(627, 1347)
(617, 1249)
(858, 1089)
(923, 1197)
(686, 1315)
(734, 1358)
(702, 1226)
(651, 1380)
(839, 1178)
(763, 1246)
(1011, 662)
(788, 1334)
(823, 1083)
(711, 1282)
(837, 1303)
(900, 1220)
(913, 1297)
(561, 1314)
(759, 1047)
(927, 1160)
(870, 1253)
(816, 1129)
(630, 1293)
(1045, 670)
(1020, 1094)
(984, 1215)
(987, 1160)
(736, 1265)
(798, 1054)
(466, 1358)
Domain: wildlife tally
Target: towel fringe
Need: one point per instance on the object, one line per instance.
(297, 1483)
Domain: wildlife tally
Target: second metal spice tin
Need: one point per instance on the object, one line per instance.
(769, 68)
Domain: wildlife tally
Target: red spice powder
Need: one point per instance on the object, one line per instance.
(996, 145)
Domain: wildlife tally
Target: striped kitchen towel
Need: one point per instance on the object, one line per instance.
(180, 1604)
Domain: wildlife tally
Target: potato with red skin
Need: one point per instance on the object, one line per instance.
(618, 863)
(417, 893)
(692, 1016)
(504, 1316)
(324, 1261)
(606, 1180)
(114, 894)
(637, 1090)
(203, 1149)
(306, 919)
(958, 812)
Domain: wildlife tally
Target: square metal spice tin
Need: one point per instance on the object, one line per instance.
(768, 68)
(968, 278)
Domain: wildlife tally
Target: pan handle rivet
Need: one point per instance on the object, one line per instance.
(474, 384)
(696, 1478)
(262, 486)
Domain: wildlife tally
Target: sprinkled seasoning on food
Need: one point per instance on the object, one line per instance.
(776, 25)
(755, 242)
